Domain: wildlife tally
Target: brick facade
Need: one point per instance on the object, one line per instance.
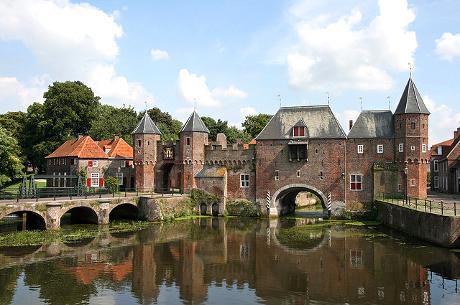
(301, 149)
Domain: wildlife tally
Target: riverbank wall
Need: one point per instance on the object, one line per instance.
(438, 229)
(165, 208)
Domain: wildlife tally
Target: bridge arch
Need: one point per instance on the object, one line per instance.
(34, 220)
(284, 198)
(124, 210)
(81, 214)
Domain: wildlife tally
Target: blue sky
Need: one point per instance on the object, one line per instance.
(234, 58)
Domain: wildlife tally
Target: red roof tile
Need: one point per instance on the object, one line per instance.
(118, 148)
(446, 143)
(84, 148)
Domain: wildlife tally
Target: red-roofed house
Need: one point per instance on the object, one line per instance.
(445, 165)
(98, 159)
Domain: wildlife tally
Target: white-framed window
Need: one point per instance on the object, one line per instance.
(244, 180)
(380, 148)
(412, 148)
(298, 173)
(277, 175)
(122, 163)
(187, 141)
(360, 148)
(436, 182)
(399, 187)
(413, 182)
(440, 150)
(94, 179)
(435, 166)
(120, 178)
(356, 182)
(401, 147)
(95, 163)
(423, 147)
(139, 143)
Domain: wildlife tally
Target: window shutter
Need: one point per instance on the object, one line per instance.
(90, 163)
(88, 182)
(101, 182)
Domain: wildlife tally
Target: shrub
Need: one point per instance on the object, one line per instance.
(199, 196)
(242, 207)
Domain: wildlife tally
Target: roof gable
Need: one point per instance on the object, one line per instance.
(373, 124)
(411, 101)
(146, 125)
(319, 121)
(120, 149)
(194, 124)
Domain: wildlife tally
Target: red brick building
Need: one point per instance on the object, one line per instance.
(98, 160)
(301, 148)
(445, 165)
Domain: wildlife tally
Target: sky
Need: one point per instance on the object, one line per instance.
(235, 58)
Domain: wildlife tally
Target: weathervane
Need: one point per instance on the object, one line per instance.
(389, 102)
(361, 101)
(410, 69)
(194, 104)
(328, 98)
(145, 106)
(279, 97)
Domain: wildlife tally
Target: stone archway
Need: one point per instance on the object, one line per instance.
(32, 220)
(283, 200)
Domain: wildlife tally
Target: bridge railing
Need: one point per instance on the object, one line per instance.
(56, 193)
(440, 207)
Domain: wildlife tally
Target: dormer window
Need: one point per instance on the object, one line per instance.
(298, 131)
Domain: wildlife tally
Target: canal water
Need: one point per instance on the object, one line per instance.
(232, 261)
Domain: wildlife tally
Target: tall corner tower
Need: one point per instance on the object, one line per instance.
(193, 138)
(145, 138)
(411, 140)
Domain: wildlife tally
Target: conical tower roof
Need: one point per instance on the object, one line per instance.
(194, 124)
(411, 101)
(146, 125)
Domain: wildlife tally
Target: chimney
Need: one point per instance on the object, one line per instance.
(457, 133)
(350, 124)
(80, 136)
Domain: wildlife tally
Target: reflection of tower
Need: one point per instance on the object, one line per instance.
(411, 139)
(145, 137)
(193, 138)
(144, 271)
(193, 287)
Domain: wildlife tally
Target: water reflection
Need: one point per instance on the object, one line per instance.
(212, 261)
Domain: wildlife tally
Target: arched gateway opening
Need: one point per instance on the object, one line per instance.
(285, 198)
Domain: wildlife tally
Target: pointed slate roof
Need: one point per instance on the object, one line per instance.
(319, 121)
(411, 100)
(194, 124)
(373, 124)
(146, 125)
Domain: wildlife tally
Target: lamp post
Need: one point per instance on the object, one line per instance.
(407, 184)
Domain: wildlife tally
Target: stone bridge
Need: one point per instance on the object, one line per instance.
(48, 214)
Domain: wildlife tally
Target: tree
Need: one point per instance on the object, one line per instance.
(14, 122)
(219, 126)
(123, 121)
(168, 126)
(70, 109)
(10, 162)
(253, 124)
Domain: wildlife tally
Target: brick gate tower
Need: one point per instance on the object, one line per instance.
(411, 140)
(193, 138)
(145, 138)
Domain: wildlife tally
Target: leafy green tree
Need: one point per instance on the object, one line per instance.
(168, 126)
(14, 122)
(10, 162)
(70, 109)
(253, 124)
(112, 121)
(219, 126)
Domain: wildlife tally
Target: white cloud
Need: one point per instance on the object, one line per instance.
(72, 41)
(193, 87)
(158, 54)
(448, 46)
(13, 92)
(230, 91)
(246, 111)
(337, 53)
(443, 121)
